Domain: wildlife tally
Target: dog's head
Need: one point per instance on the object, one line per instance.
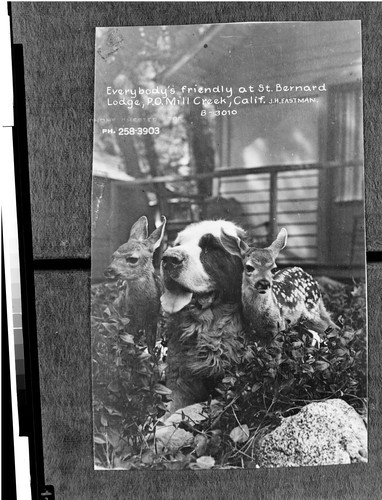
(199, 266)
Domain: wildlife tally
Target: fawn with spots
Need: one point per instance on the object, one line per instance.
(141, 289)
(275, 300)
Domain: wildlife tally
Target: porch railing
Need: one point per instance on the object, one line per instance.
(221, 173)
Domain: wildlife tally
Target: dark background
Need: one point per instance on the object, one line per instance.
(58, 49)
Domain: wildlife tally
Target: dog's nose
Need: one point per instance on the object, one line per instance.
(262, 285)
(172, 260)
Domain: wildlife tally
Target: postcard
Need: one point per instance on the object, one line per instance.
(228, 249)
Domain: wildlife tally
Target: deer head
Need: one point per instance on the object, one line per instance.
(259, 263)
(133, 259)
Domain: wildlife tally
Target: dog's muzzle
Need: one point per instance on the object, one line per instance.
(172, 260)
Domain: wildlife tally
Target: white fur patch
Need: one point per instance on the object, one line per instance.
(194, 276)
(193, 232)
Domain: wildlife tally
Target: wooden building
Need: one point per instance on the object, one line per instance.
(304, 160)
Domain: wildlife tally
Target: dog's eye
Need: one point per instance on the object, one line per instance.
(132, 260)
(249, 268)
(274, 270)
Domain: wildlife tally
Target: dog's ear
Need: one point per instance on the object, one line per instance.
(139, 230)
(279, 242)
(233, 244)
(156, 237)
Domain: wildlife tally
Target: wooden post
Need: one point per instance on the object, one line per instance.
(273, 226)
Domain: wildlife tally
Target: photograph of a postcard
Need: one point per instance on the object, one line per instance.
(228, 249)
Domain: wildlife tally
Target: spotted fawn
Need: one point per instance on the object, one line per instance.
(275, 300)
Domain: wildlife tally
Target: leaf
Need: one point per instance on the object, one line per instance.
(109, 327)
(342, 352)
(349, 335)
(161, 389)
(104, 421)
(147, 457)
(200, 441)
(122, 464)
(315, 335)
(114, 386)
(332, 334)
(256, 386)
(287, 384)
(143, 356)
(240, 434)
(297, 344)
(127, 338)
(205, 462)
(229, 380)
(99, 439)
(113, 411)
(322, 365)
(306, 368)
(113, 437)
(214, 444)
(248, 355)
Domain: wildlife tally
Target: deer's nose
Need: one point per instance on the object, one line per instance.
(263, 285)
(110, 272)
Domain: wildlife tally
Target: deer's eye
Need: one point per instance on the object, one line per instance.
(132, 260)
(249, 268)
(274, 270)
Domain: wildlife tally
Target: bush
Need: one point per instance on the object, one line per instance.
(127, 398)
(300, 367)
(271, 382)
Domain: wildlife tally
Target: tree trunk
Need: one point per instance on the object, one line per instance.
(202, 146)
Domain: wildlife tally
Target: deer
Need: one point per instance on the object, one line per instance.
(141, 287)
(272, 300)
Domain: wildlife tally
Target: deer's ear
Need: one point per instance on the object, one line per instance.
(156, 237)
(279, 242)
(139, 230)
(233, 244)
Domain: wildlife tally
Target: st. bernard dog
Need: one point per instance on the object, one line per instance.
(202, 304)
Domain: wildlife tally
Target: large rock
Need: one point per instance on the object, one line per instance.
(324, 433)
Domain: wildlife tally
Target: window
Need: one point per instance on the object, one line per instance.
(345, 141)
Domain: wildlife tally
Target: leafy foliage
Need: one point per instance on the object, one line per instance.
(127, 398)
(271, 382)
